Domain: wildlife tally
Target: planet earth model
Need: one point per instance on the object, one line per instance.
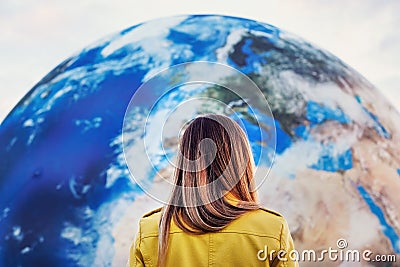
(67, 197)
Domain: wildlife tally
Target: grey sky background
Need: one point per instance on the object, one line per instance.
(36, 35)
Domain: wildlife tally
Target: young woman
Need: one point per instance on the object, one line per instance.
(213, 217)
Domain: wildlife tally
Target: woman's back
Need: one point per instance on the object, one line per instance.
(213, 217)
(247, 241)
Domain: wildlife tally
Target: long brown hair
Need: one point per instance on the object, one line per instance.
(205, 172)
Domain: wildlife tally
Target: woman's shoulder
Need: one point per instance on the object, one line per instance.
(270, 216)
(270, 211)
(148, 223)
(154, 212)
(261, 222)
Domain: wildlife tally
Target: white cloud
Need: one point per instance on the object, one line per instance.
(38, 35)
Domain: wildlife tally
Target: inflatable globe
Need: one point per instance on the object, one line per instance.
(67, 197)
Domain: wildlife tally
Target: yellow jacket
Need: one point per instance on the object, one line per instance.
(254, 239)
